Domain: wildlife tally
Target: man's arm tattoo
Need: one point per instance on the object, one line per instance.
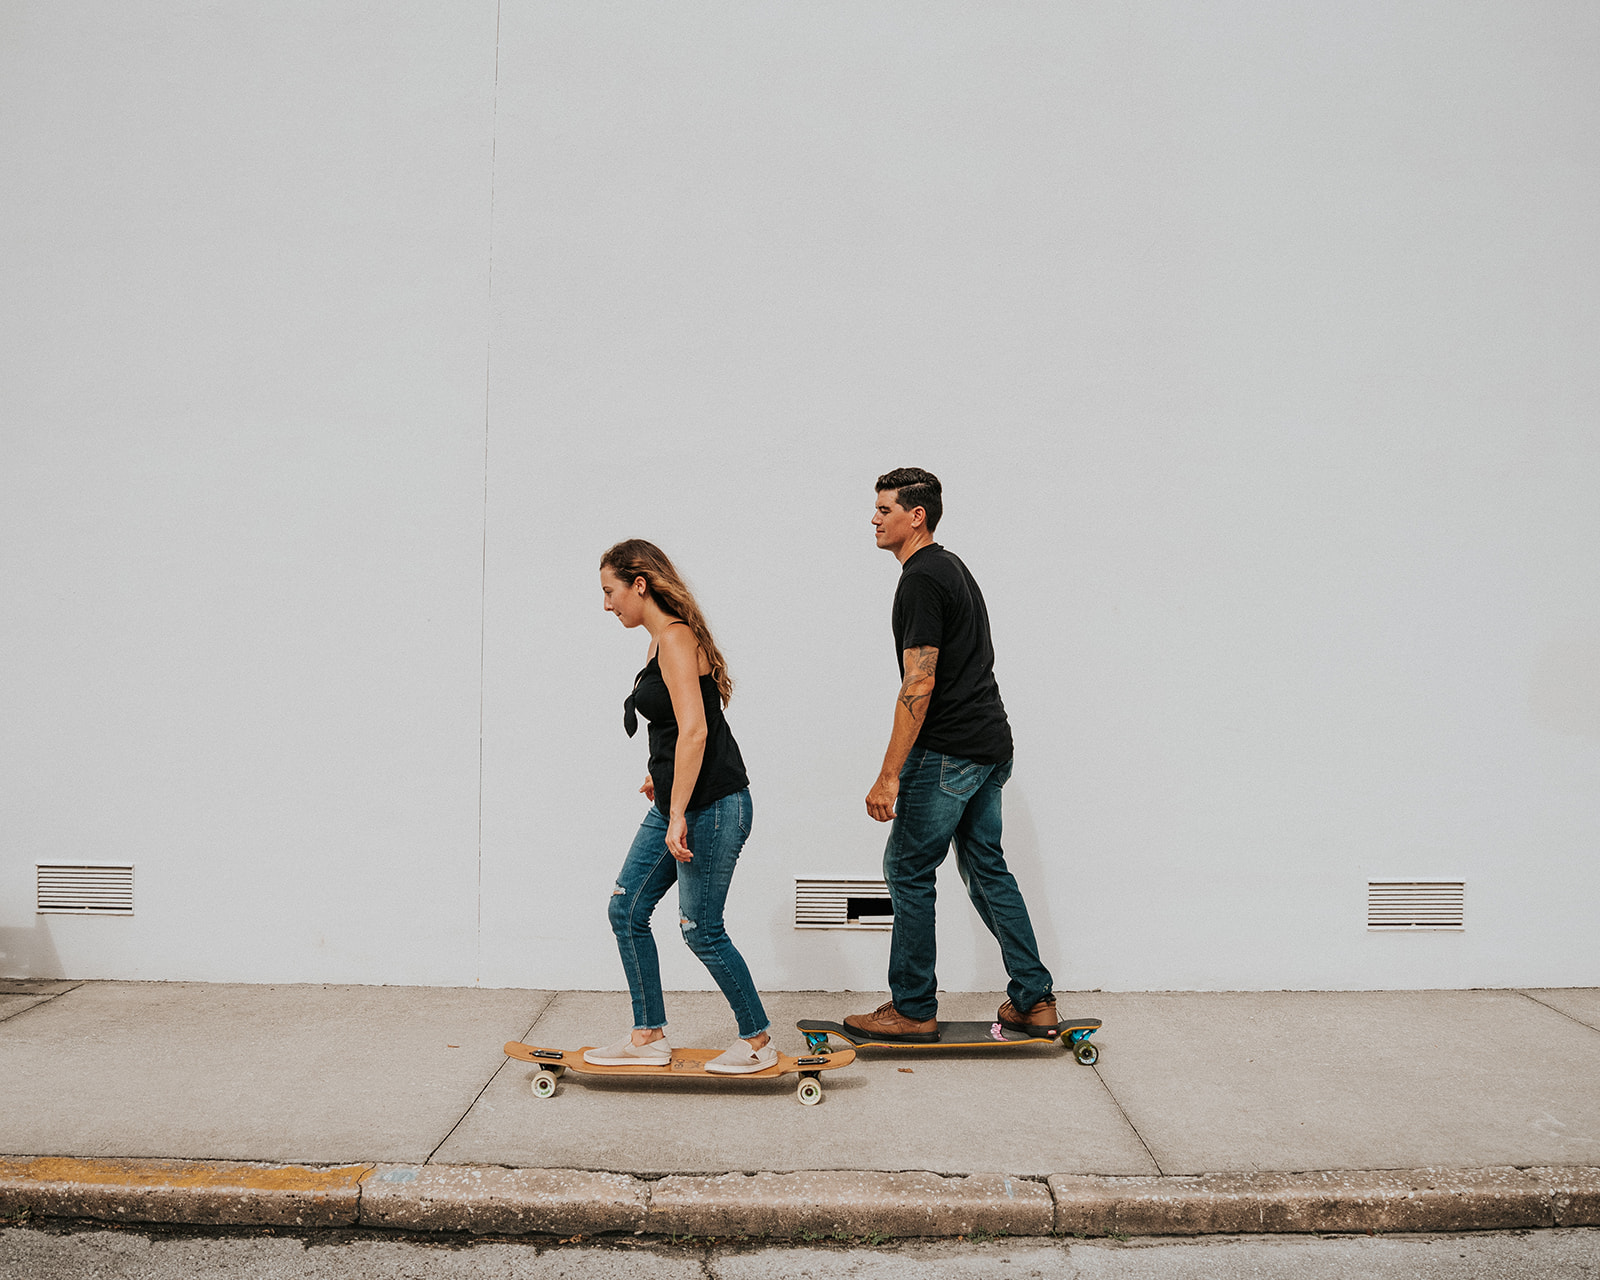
(927, 659)
(915, 703)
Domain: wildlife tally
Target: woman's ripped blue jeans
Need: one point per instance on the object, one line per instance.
(717, 833)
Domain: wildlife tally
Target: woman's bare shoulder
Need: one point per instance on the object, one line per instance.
(679, 635)
(678, 642)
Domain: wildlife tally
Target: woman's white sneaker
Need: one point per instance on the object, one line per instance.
(740, 1058)
(658, 1053)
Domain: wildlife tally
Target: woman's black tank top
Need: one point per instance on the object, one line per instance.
(721, 768)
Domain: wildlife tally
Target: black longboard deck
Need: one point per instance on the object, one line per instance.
(959, 1035)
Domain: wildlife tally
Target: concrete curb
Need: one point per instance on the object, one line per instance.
(849, 1203)
(490, 1199)
(1574, 1193)
(1377, 1201)
(200, 1192)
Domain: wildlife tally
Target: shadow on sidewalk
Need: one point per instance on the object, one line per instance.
(29, 953)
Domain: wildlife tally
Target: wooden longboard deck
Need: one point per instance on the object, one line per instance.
(686, 1064)
(957, 1035)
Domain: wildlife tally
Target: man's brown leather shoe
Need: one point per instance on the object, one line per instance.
(1042, 1017)
(888, 1022)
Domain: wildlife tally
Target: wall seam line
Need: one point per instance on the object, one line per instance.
(483, 549)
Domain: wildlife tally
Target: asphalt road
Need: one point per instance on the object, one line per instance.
(130, 1255)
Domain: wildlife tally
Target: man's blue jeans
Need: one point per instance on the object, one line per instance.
(944, 798)
(717, 833)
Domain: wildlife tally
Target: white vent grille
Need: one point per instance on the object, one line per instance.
(1416, 905)
(84, 888)
(841, 903)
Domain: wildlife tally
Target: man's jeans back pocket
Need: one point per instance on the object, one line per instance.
(958, 777)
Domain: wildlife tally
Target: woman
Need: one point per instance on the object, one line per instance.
(700, 817)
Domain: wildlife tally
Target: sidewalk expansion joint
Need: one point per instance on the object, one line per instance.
(493, 1075)
(1568, 1016)
(18, 988)
(1117, 1103)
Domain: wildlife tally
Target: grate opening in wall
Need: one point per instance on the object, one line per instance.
(841, 902)
(83, 888)
(1401, 906)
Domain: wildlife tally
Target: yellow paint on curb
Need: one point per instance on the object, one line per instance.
(181, 1173)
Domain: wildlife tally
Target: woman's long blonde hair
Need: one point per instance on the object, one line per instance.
(635, 558)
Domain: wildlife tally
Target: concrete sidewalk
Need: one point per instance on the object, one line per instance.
(390, 1106)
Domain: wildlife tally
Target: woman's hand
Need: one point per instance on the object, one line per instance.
(649, 788)
(678, 838)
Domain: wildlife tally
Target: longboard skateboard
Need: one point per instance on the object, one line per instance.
(1073, 1033)
(686, 1064)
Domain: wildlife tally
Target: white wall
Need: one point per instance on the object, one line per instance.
(1254, 344)
(245, 272)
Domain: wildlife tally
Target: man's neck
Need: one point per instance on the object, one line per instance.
(921, 538)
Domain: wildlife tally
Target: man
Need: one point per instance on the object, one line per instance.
(949, 756)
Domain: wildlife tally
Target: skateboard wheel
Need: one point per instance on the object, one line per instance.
(809, 1092)
(1086, 1053)
(544, 1084)
(816, 1040)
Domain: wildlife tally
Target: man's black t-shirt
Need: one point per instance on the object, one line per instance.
(938, 603)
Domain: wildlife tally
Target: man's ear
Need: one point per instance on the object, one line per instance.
(919, 517)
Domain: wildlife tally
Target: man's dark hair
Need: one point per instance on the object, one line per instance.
(915, 487)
